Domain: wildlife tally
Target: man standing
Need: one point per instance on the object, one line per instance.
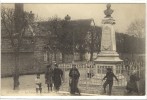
(48, 77)
(109, 80)
(57, 77)
(73, 81)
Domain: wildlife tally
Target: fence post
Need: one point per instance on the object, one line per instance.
(139, 69)
(63, 71)
(86, 76)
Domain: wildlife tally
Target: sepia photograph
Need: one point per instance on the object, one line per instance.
(95, 49)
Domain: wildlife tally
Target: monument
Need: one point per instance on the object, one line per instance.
(108, 57)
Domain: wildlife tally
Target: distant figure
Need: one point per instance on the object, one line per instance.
(38, 83)
(48, 77)
(73, 81)
(88, 71)
(91, 71)
(109, 80)
(53, 64)
(132, 83)
(126, 61)
(127, 65)
(57, 77)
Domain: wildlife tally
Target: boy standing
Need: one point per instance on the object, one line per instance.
(109, 80)
(38, 84)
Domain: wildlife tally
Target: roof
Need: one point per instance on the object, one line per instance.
(42, 29)
(73, 25)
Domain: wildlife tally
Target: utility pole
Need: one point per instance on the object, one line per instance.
(18, 21)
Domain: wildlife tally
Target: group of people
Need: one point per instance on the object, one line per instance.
(54, 78)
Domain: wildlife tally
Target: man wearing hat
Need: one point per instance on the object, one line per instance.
(109, 80)
(73, 81)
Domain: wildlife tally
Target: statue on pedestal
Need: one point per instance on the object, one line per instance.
(108, 11)
(108, 56)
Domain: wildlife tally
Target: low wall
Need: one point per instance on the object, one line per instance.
(26, 65)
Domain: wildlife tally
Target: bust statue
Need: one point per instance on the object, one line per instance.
(108, 11)
(67, 18)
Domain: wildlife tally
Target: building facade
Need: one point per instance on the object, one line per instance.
(34, 56)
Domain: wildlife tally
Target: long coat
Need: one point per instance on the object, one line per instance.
(74, 78)
(57, 76)
(48, 76)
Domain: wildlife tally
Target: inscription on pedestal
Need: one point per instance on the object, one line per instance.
(106, 39)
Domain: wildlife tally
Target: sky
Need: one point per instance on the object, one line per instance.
(124, 14)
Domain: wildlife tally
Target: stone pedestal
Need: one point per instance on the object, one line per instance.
(108, 57)
(108, 54)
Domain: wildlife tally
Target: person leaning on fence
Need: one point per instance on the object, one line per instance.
(38, 83)
(73, 80)
(48, 77)
(132, 83)
(127, 65)
(57, 77)
(109, 80)
(88, 71)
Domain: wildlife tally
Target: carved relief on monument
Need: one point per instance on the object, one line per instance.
(106, 41)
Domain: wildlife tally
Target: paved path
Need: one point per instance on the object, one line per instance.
(27, 87)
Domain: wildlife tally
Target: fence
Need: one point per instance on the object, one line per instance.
(91, 82)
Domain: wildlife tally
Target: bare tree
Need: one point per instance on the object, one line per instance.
(92, 40)
(14, 22)
(137, 28)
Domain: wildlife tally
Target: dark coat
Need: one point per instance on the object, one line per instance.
(109, 76)
(57, 76)
(131, 84)
(49, 76)
(73, 83)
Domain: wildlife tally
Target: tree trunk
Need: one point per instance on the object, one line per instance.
(16, 71)
(63, 58)
(91, 55)
(55, 54)
(81, 56)
(92, 46)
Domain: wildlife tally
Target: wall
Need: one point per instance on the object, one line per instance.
(7, 63)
